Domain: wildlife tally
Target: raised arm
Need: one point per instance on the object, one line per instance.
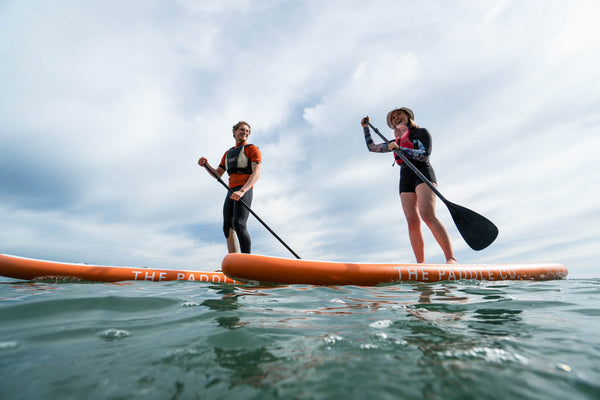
(203, 162)
(375, 148)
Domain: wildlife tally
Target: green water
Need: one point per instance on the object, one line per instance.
(177, 340)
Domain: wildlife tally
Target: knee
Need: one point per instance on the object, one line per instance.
(429, 218)
(239, 227)
(413, 223)
(228, 227)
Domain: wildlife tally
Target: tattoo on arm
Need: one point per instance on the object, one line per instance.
(375, 148)
(418, 154)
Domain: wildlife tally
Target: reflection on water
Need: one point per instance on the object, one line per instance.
(421, 320)
(247, 365)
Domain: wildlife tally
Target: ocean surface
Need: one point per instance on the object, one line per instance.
(178, 340)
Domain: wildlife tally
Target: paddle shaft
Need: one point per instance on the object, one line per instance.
(251, 212)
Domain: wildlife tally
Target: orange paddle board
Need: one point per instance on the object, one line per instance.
(27, 268)
(250, 267)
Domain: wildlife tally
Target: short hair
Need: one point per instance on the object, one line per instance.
(236, 126)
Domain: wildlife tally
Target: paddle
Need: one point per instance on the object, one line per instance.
(251, 212)
(478, 231)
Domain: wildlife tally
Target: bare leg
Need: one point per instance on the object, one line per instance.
(232, 242)
(411, 212)
(426, 205)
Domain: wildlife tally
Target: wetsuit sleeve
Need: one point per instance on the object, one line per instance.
(375, 148)
(223, 163)
(421, 139)
(418, 154)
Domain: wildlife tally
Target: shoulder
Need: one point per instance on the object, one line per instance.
(252, 152)
(420, 133)
(251, 149)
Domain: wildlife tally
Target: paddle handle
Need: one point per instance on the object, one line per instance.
(411, 166)
(251, 212)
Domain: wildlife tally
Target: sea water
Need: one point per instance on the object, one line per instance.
(179, 340)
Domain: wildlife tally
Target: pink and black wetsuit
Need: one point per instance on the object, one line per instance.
(416, 145)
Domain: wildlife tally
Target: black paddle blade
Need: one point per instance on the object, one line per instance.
(478, 231)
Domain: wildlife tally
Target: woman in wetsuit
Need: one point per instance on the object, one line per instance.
(418, 200)
(242, 163)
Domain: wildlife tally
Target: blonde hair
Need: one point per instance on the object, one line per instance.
(412, 124)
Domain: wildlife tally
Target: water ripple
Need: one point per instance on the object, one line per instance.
(451, 340)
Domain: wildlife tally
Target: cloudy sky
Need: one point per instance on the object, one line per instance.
(105, 107)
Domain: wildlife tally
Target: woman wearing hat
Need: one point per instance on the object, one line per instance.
(418, 200)
(242, 163)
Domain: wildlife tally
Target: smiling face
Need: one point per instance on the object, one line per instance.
(241, 133)
(399, 117)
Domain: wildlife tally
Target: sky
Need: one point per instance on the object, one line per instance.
(106, 106)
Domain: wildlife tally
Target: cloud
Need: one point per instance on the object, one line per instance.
(106, 107)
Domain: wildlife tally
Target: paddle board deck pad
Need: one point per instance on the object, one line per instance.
(250, 267)
(29, 269)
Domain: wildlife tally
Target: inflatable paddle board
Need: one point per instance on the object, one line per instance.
(27, 268)
(250, 267)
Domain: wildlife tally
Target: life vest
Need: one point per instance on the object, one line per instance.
(405, 142)
(237, 162)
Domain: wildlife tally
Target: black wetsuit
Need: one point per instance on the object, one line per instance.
(421, 139)
(235, 216)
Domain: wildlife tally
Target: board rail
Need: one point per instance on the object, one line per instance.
(30, 269)
(289, 271)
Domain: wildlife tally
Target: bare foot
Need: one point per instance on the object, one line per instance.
(451, 261)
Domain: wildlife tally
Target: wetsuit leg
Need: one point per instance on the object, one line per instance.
(235, 216)
(240, 218)
(227, 215)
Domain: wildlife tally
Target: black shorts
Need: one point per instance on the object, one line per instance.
(409, 180)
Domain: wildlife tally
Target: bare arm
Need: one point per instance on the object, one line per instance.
(203, 162)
